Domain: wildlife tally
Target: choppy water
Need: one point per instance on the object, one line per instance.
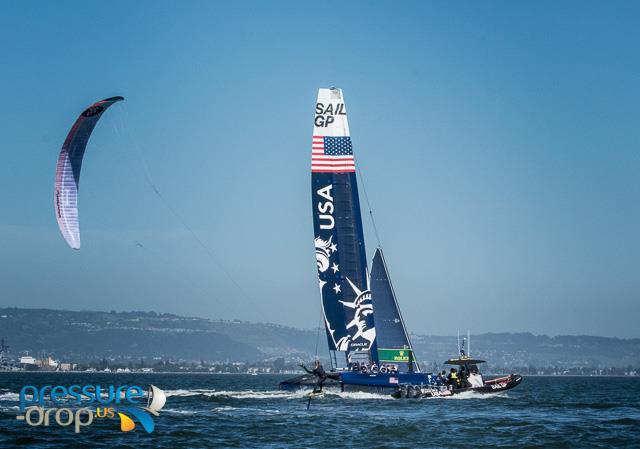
(239, 411)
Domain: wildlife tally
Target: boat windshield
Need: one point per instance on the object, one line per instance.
(473, 368)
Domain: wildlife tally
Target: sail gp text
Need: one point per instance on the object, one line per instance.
(325, 114)
(76, 405)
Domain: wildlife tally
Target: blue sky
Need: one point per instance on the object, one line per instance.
(499, 143)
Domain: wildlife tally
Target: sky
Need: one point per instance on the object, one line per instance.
(499, 144)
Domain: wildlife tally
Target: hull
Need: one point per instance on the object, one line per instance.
(398, 385)
(355, 381)
(492, 386)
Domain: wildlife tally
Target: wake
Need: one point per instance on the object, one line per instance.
(274, 394)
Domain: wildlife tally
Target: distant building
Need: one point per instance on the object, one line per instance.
(27, 360)
(47, 364)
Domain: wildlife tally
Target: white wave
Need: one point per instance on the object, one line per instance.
(175, 411)
(253, 394)
(237, 394)
(474, 395)
(9, 396)
(359, 395)
(169, 393)
(259, 411)
(10, 408)
(226, 408)
(262, 411)
(194, 392)
(221, 409)
(274, 394)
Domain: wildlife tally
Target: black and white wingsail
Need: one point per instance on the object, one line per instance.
(339, 239)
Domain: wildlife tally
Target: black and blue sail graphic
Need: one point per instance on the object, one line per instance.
(392, 338)
(67, 182)
(339, 239)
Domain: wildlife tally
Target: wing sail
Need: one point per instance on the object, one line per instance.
(339, 239)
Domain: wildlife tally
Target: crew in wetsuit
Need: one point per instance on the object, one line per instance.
(464, 378)
(319, 372)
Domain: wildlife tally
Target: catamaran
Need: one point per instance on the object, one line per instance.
(369, 347)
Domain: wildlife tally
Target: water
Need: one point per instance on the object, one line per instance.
(240, 411)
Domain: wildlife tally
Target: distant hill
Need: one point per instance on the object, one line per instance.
(87, 335)
(525, 350)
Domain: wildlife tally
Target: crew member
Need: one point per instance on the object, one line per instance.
(453, 378)
(319, 372)
(464, 378)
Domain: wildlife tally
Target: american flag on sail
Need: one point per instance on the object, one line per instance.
(332, 155)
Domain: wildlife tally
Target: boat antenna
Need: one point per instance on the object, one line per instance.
(458, 342)
(468, 343)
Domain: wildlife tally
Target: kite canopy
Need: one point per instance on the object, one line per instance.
(68, 170)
